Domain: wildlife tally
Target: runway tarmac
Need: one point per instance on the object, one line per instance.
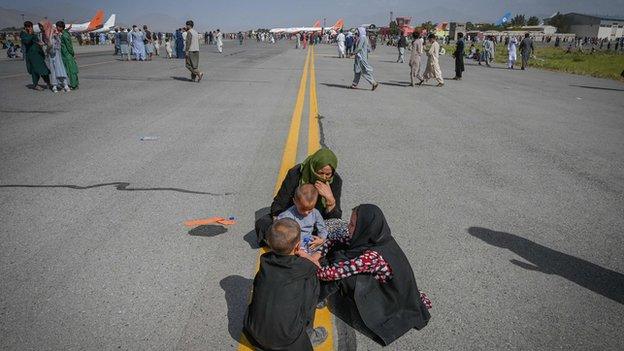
(505, 190)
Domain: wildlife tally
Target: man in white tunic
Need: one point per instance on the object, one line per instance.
(512, 49)
(433, 65)
(219, 41)
(340, 39)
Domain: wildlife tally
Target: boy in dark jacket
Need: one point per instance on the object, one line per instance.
(285, 292)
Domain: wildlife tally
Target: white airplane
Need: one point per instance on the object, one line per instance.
(108, 26)
(94, 24)
(315, 28)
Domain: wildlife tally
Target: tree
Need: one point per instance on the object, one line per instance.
(470, 26)
(428, 26)
(560, 22)
(518, 21)
(533, 21)
(394, 28)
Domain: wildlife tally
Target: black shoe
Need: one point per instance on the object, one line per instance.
(317, 335)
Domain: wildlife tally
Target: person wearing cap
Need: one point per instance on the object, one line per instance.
(192, 52)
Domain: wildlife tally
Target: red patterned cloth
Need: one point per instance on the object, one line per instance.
(425, 300)
(368, 262)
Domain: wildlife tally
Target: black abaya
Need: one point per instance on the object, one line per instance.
(389, 309)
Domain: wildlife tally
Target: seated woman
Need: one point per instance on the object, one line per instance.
(367, 265)
(318, 169)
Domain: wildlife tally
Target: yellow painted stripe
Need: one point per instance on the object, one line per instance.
(288, 161)
(323, 317)
(314, 137)
(290, 149)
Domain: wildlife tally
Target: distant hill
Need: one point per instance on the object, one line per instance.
(13, 18)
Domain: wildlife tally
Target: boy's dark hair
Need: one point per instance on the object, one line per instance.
(28, 24)
(306, 193)
(60, 24)
(460, 35)
(283, 236)
(431, 36)
(190, 23)
(415, 34)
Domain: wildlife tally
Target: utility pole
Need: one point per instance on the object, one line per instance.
(22, 19)
(324, 24)
(391, 15)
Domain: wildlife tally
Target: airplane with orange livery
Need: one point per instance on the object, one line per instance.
(315, 28)
(95, 23)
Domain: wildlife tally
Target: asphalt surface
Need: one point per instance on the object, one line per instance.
(505, 191)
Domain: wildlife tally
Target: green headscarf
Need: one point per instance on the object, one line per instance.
(315, 162)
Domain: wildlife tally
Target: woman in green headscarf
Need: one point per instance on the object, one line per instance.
(318, 169)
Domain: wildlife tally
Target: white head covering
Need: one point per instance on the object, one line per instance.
(362, 32)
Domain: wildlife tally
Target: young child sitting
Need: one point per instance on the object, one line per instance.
(308, 217)
(285, 292)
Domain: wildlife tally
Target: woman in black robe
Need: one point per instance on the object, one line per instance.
(374, 277)
(318, 169)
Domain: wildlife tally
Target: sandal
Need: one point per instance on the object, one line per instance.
(375, 86)
(353, 86)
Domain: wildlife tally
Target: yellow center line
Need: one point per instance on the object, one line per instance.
(313, 127)
(323, 317)
(290, 149)
(289, 158)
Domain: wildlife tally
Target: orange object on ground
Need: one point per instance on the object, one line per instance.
(212, 220)
(198, 222)
(226, 222)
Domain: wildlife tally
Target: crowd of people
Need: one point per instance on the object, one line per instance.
(314, 254)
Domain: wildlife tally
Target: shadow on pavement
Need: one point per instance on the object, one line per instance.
(207, 230)
(395, 84)
(236, 290)
(336, 85)
(591, 276)
(182, 79)
(252, 239)
(598, 88)
(118, 185)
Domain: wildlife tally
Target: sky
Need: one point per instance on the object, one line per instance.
(234, 15)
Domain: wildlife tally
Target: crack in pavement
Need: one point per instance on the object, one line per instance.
(118, 185)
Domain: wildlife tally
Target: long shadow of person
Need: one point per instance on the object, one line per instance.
(237, 291)
(591, 276)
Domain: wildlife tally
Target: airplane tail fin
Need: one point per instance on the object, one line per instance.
(96, 21)
(110, 22)
(339, 24)
(504, 20)
(317, 23)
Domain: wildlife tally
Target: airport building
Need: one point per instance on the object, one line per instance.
(594, 26)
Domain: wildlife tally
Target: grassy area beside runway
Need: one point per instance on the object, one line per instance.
(599, 64)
